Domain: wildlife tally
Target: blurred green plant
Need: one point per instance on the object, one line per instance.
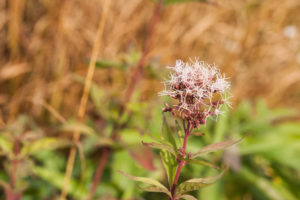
(19, 142)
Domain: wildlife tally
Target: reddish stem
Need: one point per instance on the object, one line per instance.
(99, 171)
(182, 162)
(180, 165)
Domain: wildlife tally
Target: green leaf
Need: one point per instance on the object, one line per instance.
(215, 147)
(187, 197)
(170, 165)
(154, 138)
(103, 64)
(147, 181)
(167, 133)
(197, 183)
(166, 147)
(180, 133)
(155, 189)
(202, 162)
(6, 146)
(121, 160)
(130, 136)
(47, 143)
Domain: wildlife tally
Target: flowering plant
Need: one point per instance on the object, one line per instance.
(200, 92)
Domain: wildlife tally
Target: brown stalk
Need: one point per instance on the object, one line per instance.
(136, 77)
(16, 9)
(84, 98)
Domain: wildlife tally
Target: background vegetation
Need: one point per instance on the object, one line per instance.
(45, 50)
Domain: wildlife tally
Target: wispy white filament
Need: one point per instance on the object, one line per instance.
(201, 80)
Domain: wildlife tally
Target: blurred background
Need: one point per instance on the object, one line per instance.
(45, 49)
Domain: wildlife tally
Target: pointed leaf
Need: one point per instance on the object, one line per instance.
(179, 132)
(155, 189)
(146, 181)
(110, 64)
(47, 143)
(167, 133)
(82, 159)
(154, 138)
(166, 147)
(6, 146)
(76, 126)
(170, 165)
(215, 147)
(187, 197)
(197, 183)
(191, 186)
(202, 162)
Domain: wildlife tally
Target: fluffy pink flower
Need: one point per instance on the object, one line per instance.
(199, 88)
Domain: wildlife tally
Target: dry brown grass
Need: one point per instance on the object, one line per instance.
(43, 42)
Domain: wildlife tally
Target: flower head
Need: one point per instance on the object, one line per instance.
(199, 88)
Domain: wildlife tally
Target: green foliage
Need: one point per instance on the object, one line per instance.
(6, 146)
(170, 165)
(110, 64)
(43, 144)
(161, 146)
(202, 162)
(20, 141)
(156, 186)
(56, 179)
(167, 133)
(196, 184)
